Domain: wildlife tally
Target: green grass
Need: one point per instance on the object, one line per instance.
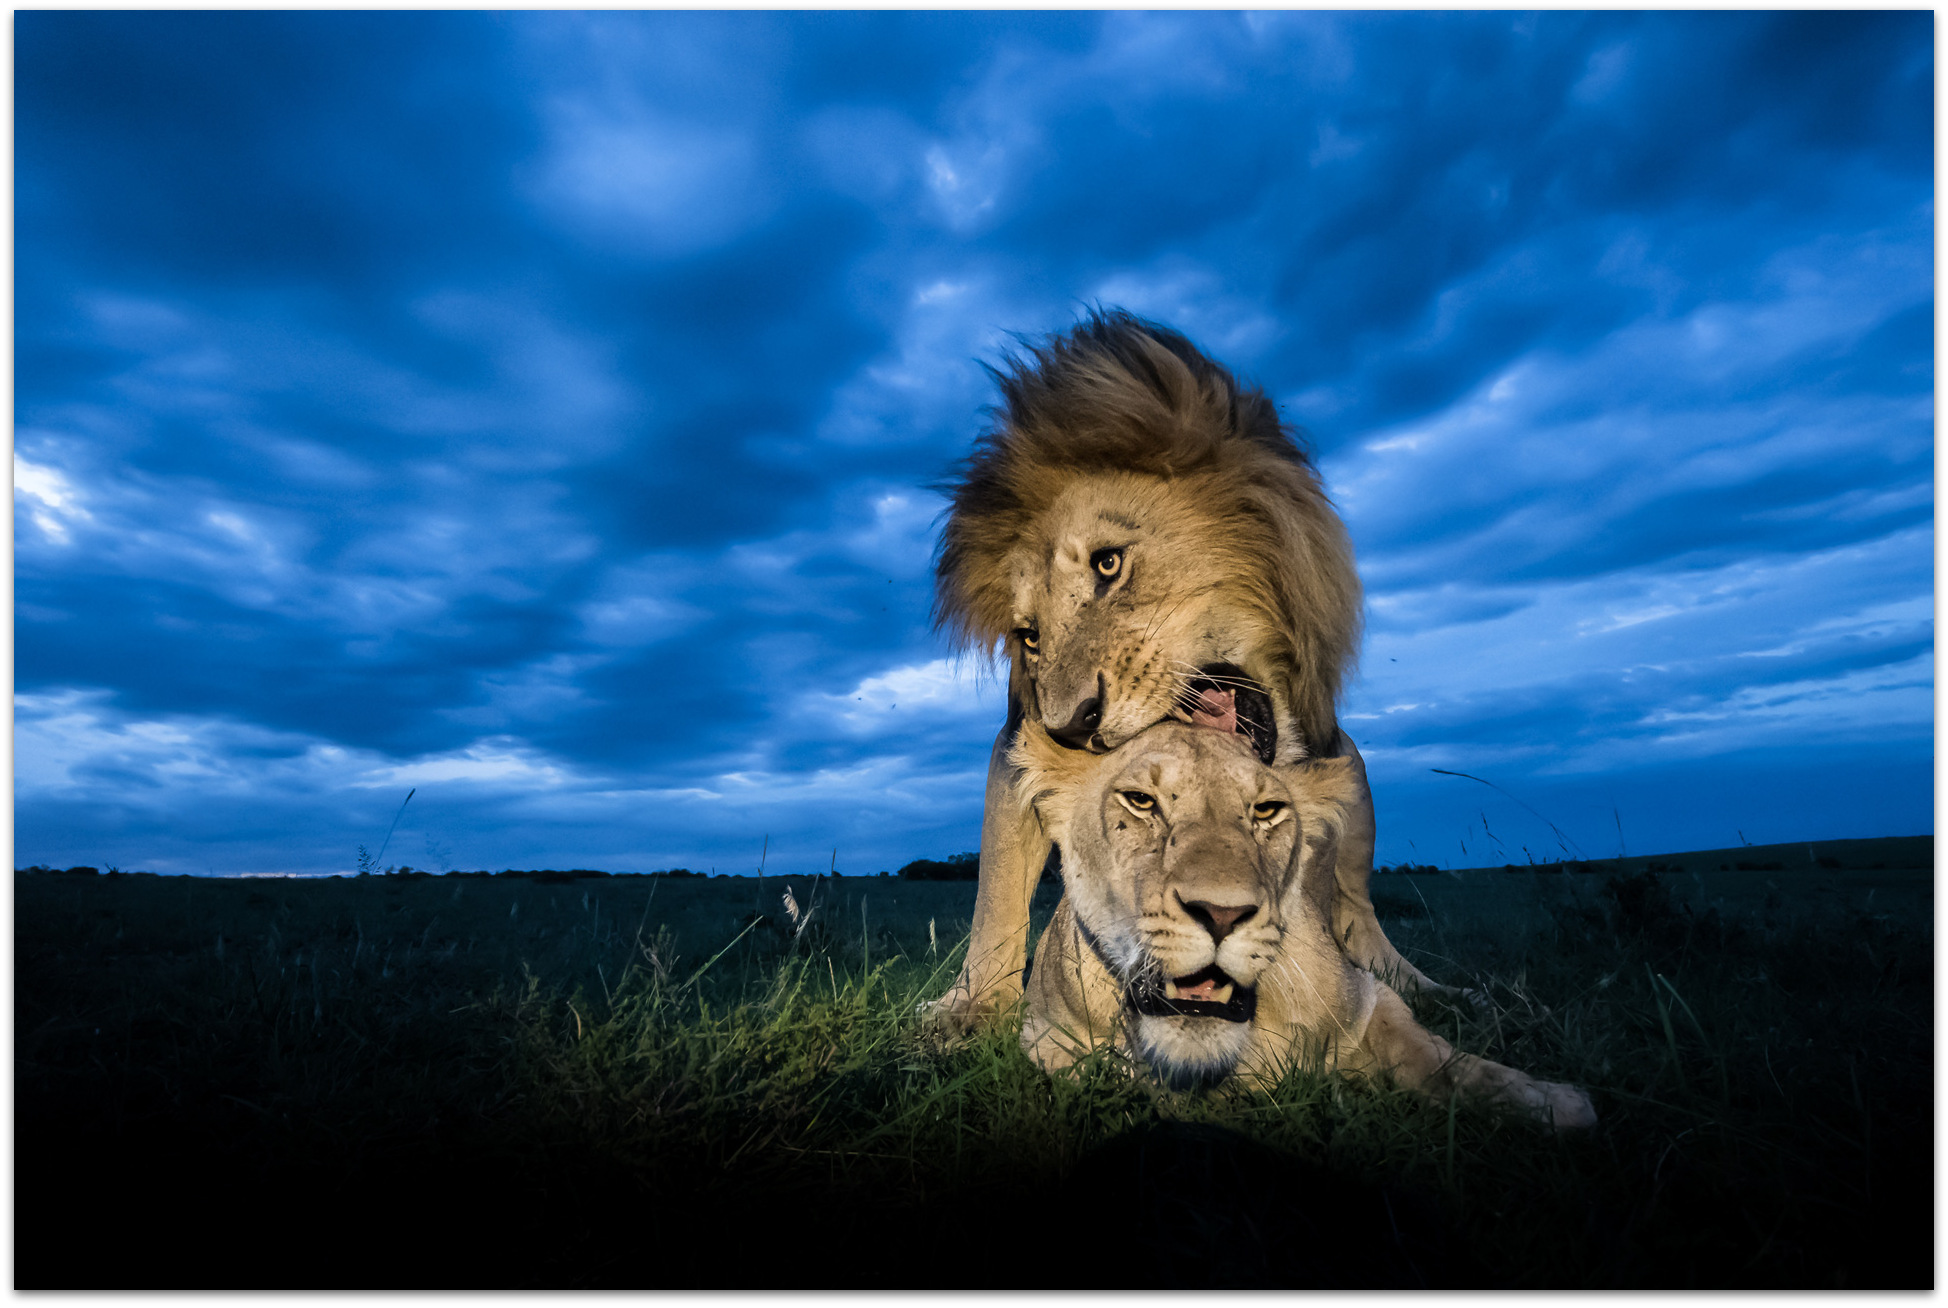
(483, 1082)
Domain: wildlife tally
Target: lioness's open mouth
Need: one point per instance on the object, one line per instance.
(1208, 993)
(1223, 697)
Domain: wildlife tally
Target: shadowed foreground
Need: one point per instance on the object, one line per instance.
(399, 1082)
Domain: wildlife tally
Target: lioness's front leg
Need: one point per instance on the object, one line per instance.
(1418, 1059)
(1013, 852)
(1074, 1005)
(1355, 925)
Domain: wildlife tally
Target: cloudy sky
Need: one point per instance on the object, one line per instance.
(540, 410)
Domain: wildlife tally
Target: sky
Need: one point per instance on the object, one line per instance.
(543, 413)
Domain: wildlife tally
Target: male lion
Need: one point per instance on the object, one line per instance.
(1152, 543)
(1194, 928)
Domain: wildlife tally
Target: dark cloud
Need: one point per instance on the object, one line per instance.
(223, 148)
(538, 409)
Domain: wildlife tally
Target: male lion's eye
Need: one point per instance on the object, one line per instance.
(1267, 810)
(1108, 563)
(1136, 801)
(1031, 640)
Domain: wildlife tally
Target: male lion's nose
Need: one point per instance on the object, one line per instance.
(1080, 730)
(1219, 919)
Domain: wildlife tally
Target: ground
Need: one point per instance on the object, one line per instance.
(485, 1082)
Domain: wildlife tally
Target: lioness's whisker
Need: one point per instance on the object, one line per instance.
(1299, 967)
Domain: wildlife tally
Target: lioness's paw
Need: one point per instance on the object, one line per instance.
(960, 1012)
(1406, 980)
(1564, 1106)
(948, 1015)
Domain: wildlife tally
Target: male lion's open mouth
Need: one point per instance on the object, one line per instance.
(1223, 697)
(1209, 993)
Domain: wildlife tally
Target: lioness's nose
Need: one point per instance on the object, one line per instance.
(1219, 919)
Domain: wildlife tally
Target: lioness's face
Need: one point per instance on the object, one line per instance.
(1179, 856)
(1129, 609)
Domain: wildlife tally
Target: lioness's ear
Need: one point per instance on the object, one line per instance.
(1324, 791)
(1033, 753)
(1326, 780)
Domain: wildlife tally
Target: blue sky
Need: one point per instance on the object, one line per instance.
(540, 410)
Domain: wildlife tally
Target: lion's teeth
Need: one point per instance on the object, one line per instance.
(1170, 990)
(1222, 994)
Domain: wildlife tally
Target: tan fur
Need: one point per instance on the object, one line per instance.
(1120, 434)
(1134, 883)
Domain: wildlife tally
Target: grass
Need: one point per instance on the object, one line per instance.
(491, 1082)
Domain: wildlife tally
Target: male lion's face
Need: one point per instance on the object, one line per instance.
(1132, 605)
(1179, 856)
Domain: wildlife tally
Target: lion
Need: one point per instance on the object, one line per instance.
(1194, 930)
(1147, 540)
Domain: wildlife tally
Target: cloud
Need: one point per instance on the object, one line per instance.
(655, 134)
(200, 794)
(1628, 674)
(54, 501)
(1668, 439)
(894, 704)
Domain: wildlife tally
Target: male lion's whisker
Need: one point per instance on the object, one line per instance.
(1161, 616)
(1230, 683)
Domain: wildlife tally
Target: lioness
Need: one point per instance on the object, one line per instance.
(1195, 925)
(1150, 542)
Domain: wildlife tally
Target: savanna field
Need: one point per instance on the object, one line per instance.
(576, 1080)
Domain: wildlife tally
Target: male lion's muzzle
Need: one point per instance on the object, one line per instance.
(1222, 696)
(1081, 731)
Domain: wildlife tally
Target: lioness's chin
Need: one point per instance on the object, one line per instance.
(1188, 1052)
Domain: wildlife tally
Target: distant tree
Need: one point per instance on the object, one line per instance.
(955, 867)
(1408, 869)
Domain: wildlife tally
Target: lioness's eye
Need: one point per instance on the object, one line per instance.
(1136, 800)
(1267, 810)
(1108, 563)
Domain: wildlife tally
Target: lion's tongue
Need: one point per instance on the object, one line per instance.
(1205, 990)
(1216, 708)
